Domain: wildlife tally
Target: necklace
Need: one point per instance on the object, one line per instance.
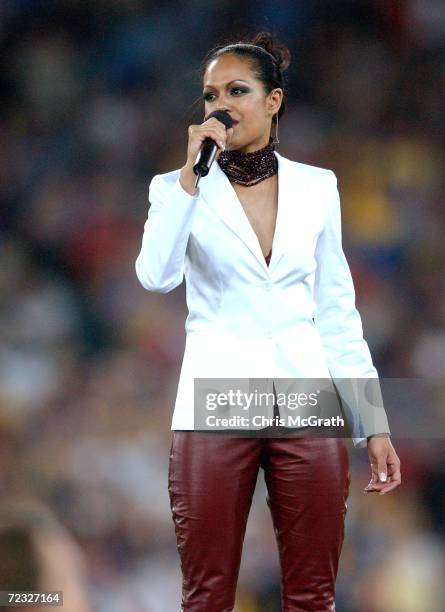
(249, 168)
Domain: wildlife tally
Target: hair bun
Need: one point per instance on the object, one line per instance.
(279, 51)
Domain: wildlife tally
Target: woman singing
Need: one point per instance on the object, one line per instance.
(270, 296)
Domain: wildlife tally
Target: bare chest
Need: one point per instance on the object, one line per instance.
(260, 204)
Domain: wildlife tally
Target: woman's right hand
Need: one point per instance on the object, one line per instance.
(211, 128)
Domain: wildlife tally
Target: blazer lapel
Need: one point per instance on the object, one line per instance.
(218, 192)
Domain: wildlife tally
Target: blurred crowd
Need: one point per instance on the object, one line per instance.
(96, 99)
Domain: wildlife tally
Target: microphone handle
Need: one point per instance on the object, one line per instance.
(205, 159)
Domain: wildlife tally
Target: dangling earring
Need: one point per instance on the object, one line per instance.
(275, 140)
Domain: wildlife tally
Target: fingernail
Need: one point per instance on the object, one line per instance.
(383, 476)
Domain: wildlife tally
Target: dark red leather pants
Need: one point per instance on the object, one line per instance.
(211, 482)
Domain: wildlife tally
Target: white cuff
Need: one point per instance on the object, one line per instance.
(359, 442)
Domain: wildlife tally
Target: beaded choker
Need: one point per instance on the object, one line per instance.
(249, 168)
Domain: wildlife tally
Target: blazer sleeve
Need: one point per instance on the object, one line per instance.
(340, 327)
(160, 263)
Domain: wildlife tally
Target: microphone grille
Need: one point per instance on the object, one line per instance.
(222, 116)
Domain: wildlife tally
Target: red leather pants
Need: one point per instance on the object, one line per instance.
(211, 482)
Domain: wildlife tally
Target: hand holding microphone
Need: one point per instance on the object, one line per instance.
(205, 143)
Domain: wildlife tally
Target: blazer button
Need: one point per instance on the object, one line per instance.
(267, 285)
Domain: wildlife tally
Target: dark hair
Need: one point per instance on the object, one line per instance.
(269, 60)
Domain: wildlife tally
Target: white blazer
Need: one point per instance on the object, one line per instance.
(293, 318)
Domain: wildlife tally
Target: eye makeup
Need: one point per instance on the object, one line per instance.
(209, 93)
(241, 87)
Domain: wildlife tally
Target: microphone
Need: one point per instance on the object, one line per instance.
(209, 148)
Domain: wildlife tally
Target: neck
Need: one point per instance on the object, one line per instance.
(253, 146)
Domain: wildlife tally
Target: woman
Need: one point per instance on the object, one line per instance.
(269, 294)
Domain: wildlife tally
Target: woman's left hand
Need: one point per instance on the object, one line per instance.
(385, 466)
